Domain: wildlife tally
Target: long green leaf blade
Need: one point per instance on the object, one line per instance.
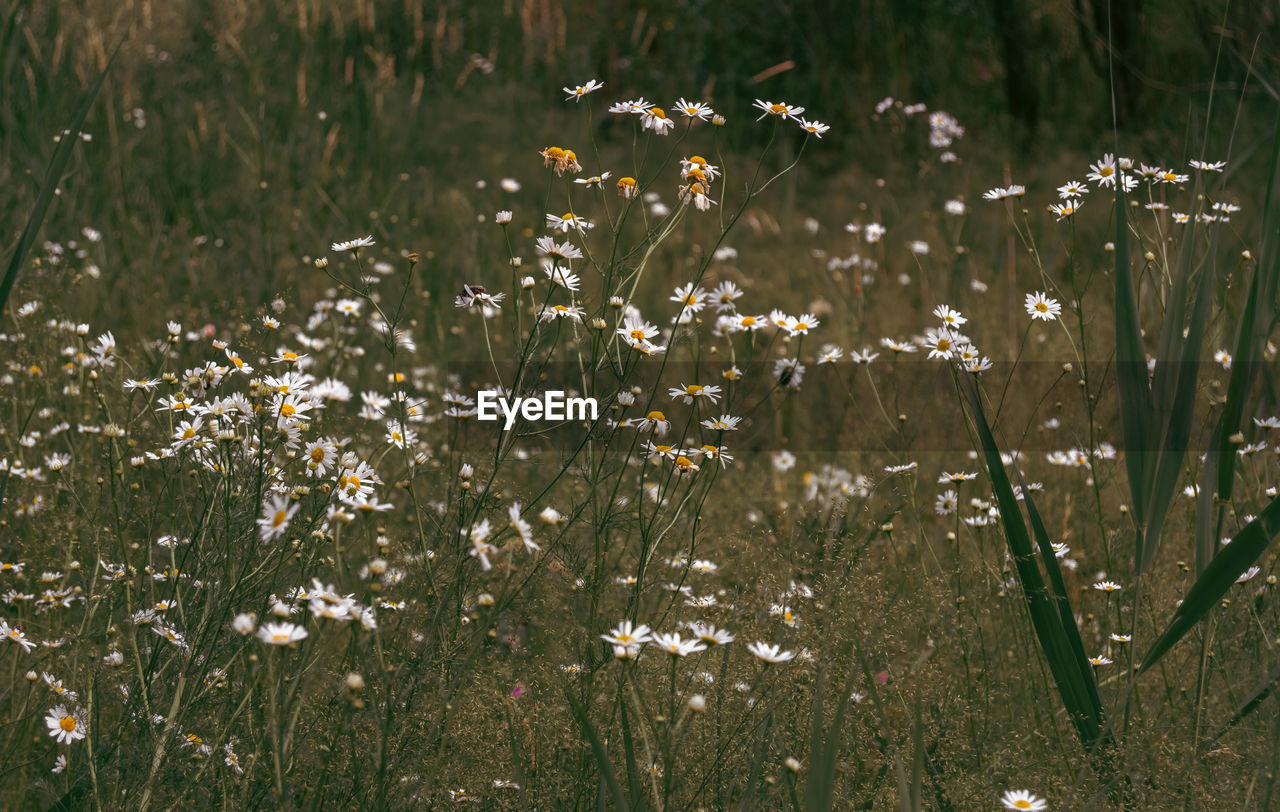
(1228, 565)
(1058, 591)
(1131, 372)
(1079, 697)
(1256, 697)
(1176, 411)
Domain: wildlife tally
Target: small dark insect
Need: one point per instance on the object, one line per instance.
(473, 290)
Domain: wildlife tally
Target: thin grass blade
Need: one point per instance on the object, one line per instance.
(823, 751)
(52, 177)
(629, 753)
(597, 749)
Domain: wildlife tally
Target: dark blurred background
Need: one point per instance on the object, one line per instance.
(268, 129)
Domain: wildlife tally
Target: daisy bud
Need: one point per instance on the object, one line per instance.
(718, 120)
(280, 610)
(502, 217)
(616, 301)
(322, 262)
(1236, 439)
(515, 262)
(527, 282)
(354, 681)
(599, 323)
(413, 258)
(1245, 254)
(1149, 257)
(485, 599)
(793, 764)
(32, 676)
(697, 703)
(244, 624)
(1109, 247)
(378, 566)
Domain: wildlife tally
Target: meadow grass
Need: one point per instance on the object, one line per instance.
(922, 477)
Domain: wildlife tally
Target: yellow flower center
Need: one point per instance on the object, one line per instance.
(317, 455)
(279, 518)
(1022, 803)
(560, 309)
(944, 344)
(1042, 307)
(698, 160)
(569, 217)
(661, 449)
(683, 461)
(656, 416)
(67, 723)
(691, 299)
(553, 152)
(802, 325)
(288, 410)
(693, 389)
(777, 108)
(637, 334)
(189, 433)
(289, 356)
(748, 321)
(657, 112)
(1106, 171)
